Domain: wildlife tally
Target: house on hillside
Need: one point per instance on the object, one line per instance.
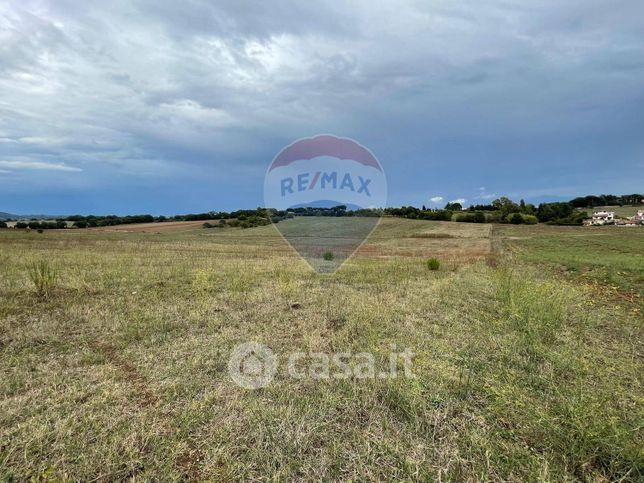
(602, 218)
(638, 219)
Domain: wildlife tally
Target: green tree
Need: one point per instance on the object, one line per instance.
(505, 206)
(454, 206)
(515, 218)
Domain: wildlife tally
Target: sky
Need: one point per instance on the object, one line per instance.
(168, 107)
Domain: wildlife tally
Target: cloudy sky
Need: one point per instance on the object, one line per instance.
(170, 107)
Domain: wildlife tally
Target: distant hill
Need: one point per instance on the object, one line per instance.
(11, 216)
(326, 204)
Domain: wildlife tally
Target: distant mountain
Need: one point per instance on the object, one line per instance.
(11, 216)
(326, 204)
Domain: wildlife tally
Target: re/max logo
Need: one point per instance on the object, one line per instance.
(326, 180)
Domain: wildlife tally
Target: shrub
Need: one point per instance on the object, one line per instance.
(515, 218)
(464, 217)
(530, 219)
(439, 215)
(43, 276)
(328, 256)
(3, 224)
(433, 264)
(574, 219)
(494, 217)
(477, 217)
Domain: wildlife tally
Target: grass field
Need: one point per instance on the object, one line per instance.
(606, 256)
(620, 211)
(528, 364)
(165, 227)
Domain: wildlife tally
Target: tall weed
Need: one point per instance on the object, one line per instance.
(44, 277)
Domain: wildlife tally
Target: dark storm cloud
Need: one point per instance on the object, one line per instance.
(123, 93)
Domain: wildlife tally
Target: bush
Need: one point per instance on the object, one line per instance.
(433, 264)
(328, 256)
(520, 218)
(515, 218)
(43, 276)
(3, 224)
(477, 217)
(574, 219)
(494, 217)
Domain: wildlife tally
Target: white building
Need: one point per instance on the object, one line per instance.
(639, 218)
(603, 218)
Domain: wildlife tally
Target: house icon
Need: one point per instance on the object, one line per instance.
(252, 365)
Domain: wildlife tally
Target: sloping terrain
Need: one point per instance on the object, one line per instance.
(121, 371)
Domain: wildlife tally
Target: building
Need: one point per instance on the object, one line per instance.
(638, 219)
(603, 218)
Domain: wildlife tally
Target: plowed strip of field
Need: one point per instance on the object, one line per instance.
(162, 227)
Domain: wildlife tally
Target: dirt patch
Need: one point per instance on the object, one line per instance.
(431, 235)
(188, 462)
(162, 227)
(133, 376)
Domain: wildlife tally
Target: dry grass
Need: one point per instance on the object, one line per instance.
(164, 227)
(122, 374)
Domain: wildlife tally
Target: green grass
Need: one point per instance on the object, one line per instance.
(620, 211)
(433, 264)
(122, 372)
(43, 276)
(612, 257)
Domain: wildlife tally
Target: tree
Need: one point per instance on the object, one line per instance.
(505, 206)
(554, 211)
(454, 206)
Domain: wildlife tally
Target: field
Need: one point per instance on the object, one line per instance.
(607, 256)
(168, 226)
(165, 227)
(527, 366)
(620, 211)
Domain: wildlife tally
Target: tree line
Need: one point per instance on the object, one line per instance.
(504, 210)
(501, 210)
